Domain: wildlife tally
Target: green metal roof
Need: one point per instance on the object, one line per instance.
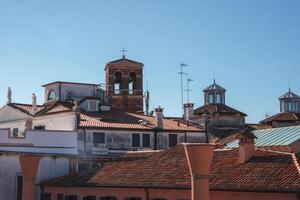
(273, 137)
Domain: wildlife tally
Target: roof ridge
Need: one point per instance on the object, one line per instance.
(296, 162)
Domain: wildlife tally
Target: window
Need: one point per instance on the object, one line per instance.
(51, 95)
(146, 140)
(98, 138)
(15, 132)
(60, 196)
(132, 83)
(136, 140)
(218, 98)
(117, 83)
(19, 187)
(71, 197)
(40, 127)
(172, 140)
(47, 196)
(89, 198)
(210, 98)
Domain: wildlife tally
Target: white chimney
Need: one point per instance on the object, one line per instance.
(34, 105)
(159, 118)
(188, 111)
(246, 146)
(8, 96)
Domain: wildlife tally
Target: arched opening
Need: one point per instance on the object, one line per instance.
(52, 95)
(117, 83)
(131, 83)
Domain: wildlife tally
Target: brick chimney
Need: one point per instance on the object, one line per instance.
(199, 157)
(159, 118)
(188, 111)
(246, 146)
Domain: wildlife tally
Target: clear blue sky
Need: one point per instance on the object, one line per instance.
(253, 47)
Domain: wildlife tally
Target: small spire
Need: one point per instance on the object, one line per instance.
(123, 52)
(214, 81)
(8, 95)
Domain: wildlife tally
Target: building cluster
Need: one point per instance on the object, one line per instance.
(87, 142)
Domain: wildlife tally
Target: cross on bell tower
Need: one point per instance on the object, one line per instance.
(123, 52)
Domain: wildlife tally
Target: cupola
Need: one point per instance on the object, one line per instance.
(214, 94)
(289, 102)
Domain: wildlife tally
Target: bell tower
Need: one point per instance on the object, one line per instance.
(124, 83)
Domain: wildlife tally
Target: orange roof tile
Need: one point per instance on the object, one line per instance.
(267, 171)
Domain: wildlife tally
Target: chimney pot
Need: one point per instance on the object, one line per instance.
(188, 111)
(199, 157)
(159, 118)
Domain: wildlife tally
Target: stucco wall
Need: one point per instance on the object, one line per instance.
(49, 167)
(122, 193)
(122, 140)
(62, 121)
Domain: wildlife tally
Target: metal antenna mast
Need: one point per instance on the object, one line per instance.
(182, 65)
(147, 99)
(188, 80)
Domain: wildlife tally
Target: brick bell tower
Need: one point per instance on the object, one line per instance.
(124, 83)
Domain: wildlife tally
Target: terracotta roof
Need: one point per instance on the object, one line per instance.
(25, 108)
(283, 116)
(110, 119)
(267, 171)
(217, 108)
(125, 120)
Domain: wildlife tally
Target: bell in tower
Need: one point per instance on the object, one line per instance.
(214, 94)
(124, 83)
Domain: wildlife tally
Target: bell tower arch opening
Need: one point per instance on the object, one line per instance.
(124, 83)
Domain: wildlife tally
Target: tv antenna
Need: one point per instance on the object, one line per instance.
(182, 65)
(188, 80)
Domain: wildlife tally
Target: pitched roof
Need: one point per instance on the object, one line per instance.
(282, 116)
(273, 137)
(125, 120)
(214, 87)
(289, 95)
(267, 171)
(109, 119)
(25, 108)
(124, 60)
(217, 108)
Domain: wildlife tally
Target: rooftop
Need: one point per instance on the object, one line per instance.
(267, 171)
(289, 95)
(274, 137)
(108, 119)
(282, 116)
(214, 87)
(217, 108)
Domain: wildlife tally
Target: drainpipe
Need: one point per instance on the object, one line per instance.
(199, 157)
(155, 138)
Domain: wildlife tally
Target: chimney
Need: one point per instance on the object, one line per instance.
(199, 157)
(159, 118)
(34, 105)
(188, 111)
(8, 96)
(246, 146)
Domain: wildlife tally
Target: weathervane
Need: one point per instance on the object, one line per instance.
(123, 52)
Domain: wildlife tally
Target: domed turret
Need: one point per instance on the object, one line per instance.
(214, 94)
(289, 102)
